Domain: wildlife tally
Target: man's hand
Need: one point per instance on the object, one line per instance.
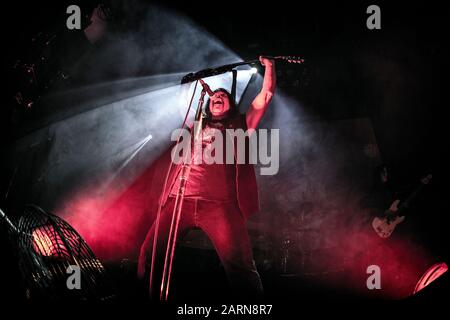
(265, 61)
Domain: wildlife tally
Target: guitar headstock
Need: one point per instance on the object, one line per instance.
(427, 179)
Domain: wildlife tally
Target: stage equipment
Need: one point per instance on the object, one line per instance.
(49, 252)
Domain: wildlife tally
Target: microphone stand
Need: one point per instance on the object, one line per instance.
(190, 77)
(176, 214)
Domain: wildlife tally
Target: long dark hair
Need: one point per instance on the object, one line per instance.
(233, 107)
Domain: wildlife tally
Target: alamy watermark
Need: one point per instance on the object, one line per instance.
(74, 280)
(374, 280)
(74, 20)
(261, 150)
(374, 20)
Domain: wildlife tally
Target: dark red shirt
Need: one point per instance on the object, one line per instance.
(245, 180)
(210, 181)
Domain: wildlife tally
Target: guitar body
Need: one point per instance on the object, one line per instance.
(385, 226)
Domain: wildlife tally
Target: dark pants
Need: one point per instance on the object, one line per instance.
(224, 225)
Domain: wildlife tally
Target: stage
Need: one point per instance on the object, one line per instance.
(283, 154)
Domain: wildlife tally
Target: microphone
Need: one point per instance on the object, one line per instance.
(206, 88)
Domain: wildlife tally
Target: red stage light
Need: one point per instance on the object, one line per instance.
(45, 241)
(430, 275)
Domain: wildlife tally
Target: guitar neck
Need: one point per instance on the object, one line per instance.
(405, 203)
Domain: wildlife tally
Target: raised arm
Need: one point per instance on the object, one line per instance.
(262, 100)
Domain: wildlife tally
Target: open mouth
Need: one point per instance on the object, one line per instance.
(218, 103)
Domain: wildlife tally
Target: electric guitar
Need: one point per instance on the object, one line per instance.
(385, 225)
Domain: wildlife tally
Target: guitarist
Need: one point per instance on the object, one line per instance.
(394, 215)
(382, 198)
(381, 194)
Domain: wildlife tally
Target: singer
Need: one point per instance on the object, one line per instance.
(218, 197)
